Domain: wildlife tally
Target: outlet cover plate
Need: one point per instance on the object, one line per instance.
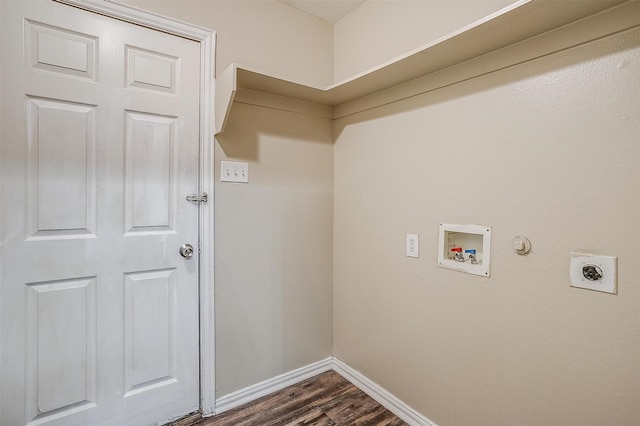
(606, 265)
(231, 171)
(412, 245)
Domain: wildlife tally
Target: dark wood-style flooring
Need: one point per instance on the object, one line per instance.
(323, 400)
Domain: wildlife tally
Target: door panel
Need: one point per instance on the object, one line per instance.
(149, 356)
(151, 70)
(61, 165)
(43, 44)
(61, 345)
(150, 180)
(99, 148)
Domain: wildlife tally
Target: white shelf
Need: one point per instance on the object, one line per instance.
(520, 21)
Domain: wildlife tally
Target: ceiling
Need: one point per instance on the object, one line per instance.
(329, 10)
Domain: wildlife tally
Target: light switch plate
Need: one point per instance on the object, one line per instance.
(231, 171)
(594, 272)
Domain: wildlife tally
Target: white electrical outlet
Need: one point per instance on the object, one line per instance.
(412, 245)
(230, 171)
(594, 272)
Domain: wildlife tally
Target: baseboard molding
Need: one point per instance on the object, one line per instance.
(375, 391)
(382, 396)
(253, 392)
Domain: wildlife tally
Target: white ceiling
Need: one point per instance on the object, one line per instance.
(329, 10)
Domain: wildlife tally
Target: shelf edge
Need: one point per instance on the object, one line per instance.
(617, 16)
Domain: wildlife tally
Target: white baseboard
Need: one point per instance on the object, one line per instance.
(383, 397)
(386, 399)
(253, 392)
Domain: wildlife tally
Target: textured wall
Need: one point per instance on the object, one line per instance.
(264, 34)
(548, 149)
(381, 30)
(273, 246)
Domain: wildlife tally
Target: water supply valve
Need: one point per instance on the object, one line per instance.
(471, 254)
(457, 254)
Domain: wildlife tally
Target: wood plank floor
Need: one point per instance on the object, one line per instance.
(323, 400)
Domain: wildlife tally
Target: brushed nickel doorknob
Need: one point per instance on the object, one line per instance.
(186, 251)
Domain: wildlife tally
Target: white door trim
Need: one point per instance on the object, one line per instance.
(207, 39)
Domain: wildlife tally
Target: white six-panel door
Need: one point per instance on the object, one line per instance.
(100, 145)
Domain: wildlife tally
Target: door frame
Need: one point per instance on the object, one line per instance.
(207, 40)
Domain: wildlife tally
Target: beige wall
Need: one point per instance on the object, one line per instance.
(264, 34)
(273, 246)
(548, 149)
(381, 30)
